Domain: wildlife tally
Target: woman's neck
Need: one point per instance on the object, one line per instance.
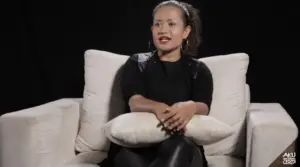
(171, 56)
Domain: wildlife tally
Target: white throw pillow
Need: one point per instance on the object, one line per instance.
(102, 98)
(229, 78)
(141, 130)
(229, 100)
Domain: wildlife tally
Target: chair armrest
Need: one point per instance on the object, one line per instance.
(270, 131)
(39, 136)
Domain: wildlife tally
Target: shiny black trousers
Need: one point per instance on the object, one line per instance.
(177, 151)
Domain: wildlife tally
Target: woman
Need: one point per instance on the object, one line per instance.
(170, 84)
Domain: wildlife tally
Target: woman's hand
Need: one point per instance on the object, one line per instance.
(162, 112)
(182, 113)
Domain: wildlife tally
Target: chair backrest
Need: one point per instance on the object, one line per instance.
(102, 97)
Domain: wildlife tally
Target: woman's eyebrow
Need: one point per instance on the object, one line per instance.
(159, 20)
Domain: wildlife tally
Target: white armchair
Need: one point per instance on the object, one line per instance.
(44, 136)
(47, 135)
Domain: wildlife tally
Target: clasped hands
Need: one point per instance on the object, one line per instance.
(175, 118)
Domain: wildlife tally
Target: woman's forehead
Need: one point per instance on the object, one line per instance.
(167, 12)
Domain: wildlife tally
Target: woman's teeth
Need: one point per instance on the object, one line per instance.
(164, 39)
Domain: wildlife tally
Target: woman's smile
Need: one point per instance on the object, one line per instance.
(164, 39)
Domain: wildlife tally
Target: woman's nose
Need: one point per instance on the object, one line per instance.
(162, 33)
(163, 29)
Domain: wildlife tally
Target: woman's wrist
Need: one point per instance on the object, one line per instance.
(191, 106)
(159, 107)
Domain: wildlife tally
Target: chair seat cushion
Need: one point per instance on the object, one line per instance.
(86, 158)
(224, 161)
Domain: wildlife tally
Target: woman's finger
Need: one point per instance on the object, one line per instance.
(181, 126)
(175, 124)
(184, 130)
(173, 119)
(167, 115)
(178, 122)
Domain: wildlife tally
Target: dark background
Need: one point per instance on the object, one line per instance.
(44, 43)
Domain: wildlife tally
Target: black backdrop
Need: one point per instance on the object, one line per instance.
(43, 44)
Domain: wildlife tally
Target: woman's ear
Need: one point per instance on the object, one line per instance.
(187, 31)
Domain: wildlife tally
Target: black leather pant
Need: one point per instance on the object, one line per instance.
(177, 151)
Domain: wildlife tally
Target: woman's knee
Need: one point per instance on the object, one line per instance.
(198, 159)
(129, 158)
(177, 151)
(178, 142)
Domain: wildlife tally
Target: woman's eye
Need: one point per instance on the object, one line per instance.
(156, 24)
(172, 24)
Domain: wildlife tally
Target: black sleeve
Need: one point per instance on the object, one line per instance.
(202, 90)
(132, 82)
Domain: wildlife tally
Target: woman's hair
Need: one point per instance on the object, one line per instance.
(190, 17)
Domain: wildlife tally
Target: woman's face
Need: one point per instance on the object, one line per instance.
(168, 29)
